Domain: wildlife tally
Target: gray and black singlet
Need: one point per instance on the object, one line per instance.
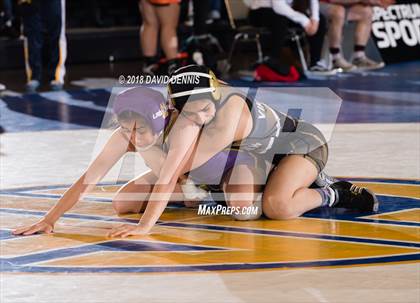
(275, 135)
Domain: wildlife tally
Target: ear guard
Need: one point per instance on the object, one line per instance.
(213, 88)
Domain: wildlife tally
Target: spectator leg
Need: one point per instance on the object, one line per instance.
(54, 21)
(316, 41)
(336, 17)
(362, 14)
(33, 40)
(168, 18)
(149, 31)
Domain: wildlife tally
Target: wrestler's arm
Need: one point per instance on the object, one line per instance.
(182, 150)
(113, 150)
(173, 166)
(179, 160)
(235, 124)
(154, 158)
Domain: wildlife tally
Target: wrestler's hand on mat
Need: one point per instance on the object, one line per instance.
(41, 226)
(126, 230)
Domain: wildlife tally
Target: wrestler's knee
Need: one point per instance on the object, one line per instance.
(278, 207)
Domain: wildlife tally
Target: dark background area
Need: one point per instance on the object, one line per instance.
(100, 30)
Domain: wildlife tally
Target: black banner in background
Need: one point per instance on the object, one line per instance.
(396, 31)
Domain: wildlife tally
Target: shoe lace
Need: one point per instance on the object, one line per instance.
(357, 190)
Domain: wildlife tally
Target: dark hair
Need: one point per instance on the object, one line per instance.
(126, 115)
(129, 115)
(193, 98)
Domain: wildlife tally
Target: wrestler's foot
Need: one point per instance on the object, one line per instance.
(348, 195)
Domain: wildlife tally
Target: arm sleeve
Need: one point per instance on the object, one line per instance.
(315, 9)
(282, 8)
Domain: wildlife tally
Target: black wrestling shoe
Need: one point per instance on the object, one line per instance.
(348, 195)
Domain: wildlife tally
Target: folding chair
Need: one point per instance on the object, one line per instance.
(237, 10)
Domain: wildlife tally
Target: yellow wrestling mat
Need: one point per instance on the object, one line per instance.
(186, 242)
